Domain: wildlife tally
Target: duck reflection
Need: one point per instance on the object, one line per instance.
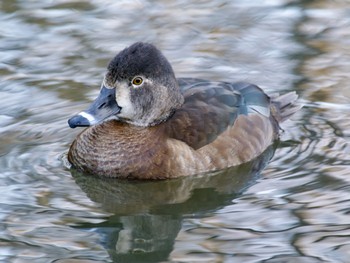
(147, 215)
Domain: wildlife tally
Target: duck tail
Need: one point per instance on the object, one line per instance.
(284, 106)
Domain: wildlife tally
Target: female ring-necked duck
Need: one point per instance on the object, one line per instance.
(146, 124)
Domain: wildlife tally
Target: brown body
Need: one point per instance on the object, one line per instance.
(117, 149)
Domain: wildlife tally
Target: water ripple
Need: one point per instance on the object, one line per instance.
(54, 55)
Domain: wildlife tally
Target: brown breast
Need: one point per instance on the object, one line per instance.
(119, 149)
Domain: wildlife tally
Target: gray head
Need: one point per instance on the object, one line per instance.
(139, 88)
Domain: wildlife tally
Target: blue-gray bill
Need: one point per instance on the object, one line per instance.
(102, 108)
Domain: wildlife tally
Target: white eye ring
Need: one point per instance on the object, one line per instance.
(137, 81)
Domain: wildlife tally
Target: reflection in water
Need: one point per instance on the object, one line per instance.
(137, 238)
(147, 215)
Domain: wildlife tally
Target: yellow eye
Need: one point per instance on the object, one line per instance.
(137, 81)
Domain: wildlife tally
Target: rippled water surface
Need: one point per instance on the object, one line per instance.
(296, 208)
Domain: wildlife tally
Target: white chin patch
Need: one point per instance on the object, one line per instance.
(88, 116)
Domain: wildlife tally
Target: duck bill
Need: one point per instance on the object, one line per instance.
(102, 108)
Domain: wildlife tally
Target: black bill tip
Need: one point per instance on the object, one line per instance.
(78, 121)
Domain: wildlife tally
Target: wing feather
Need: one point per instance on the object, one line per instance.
(210, 108)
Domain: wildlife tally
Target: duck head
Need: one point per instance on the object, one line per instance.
(139, 88)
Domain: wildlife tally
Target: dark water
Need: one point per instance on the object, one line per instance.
(52, 59)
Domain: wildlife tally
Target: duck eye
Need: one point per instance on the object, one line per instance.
(137, 81)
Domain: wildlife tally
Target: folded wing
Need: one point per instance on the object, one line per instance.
(210, 108)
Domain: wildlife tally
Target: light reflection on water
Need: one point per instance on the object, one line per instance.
(53, 56)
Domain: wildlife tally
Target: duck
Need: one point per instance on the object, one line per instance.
(147, 124)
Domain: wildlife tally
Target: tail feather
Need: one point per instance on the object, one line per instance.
(284, 106)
